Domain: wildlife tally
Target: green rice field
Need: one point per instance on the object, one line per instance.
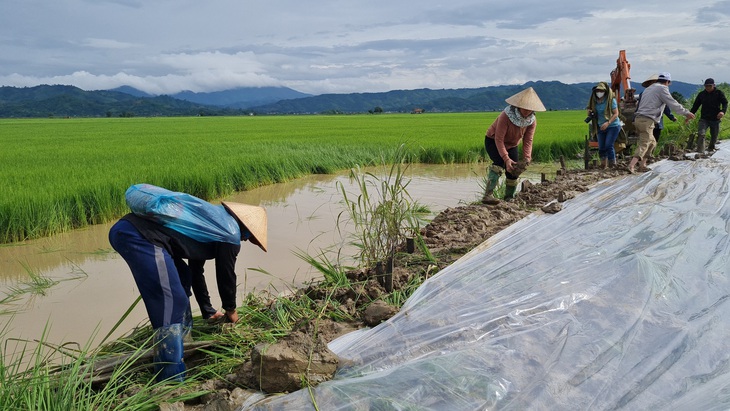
(60, 174)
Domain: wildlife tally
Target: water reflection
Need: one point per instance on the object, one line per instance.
(96, 288)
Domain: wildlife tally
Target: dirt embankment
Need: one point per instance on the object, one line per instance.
(450, 235)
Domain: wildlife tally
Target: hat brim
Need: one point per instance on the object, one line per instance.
(253, 218)
(651, 80)
(526, 99)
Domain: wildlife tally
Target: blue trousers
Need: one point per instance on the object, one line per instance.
(606, 140)
(156, 275)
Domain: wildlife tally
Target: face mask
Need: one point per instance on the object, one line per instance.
(600, 94)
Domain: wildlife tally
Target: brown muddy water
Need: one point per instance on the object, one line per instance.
(95, 287)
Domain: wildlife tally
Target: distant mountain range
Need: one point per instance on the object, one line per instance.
(69, 101)
(241, 98)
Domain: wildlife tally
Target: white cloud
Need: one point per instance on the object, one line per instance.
(107, 44)
(324, 47)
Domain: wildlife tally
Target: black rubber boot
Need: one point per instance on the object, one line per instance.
(713, 142)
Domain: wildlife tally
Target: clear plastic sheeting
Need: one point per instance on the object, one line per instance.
(619, 301)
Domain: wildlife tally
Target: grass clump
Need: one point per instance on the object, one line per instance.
(382, 214)
(48, 378)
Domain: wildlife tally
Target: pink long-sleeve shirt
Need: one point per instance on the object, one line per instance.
(507, 135)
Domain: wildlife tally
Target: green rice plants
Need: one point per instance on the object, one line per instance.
(61, 174)
(35, 284)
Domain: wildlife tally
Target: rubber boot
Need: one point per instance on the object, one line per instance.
(713, 142)
(169, 352)
(509, 189)
(701, 144)
(495, 172)
(612, 163)
(604, 163)
(690, 142)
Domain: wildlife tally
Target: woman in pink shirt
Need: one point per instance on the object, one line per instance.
(516, 123)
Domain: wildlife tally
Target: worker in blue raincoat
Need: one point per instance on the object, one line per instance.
(166, 228)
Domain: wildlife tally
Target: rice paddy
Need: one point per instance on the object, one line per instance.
(61, 174)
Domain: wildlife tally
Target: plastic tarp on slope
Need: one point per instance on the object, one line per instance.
(619, 301)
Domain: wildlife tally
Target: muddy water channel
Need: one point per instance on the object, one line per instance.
(91, 287)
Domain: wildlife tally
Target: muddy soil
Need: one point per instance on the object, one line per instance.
(450, 235)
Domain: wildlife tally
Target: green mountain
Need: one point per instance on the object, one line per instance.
(554, 95)
(69, 101)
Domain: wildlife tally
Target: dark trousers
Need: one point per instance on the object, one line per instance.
(155, 273)
(657, 132)
(702, 126)
(497, 160)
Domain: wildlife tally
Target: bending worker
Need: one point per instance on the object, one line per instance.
(517, 123)
(165, 228)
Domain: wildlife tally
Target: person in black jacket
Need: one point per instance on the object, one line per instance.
(714, 106)
(156, 253)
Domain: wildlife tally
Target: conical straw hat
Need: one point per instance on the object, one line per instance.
(253, 218)
(651, 80)
(526, 99)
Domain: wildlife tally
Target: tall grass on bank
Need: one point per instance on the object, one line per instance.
(382, 213)
(60, 174)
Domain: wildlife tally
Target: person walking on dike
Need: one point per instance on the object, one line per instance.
(648, 112)
(603, 107)
(163, 229)
(658, 127)
(515, 123)
(714, 106)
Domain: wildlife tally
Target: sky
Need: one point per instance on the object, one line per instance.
(327, 46)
